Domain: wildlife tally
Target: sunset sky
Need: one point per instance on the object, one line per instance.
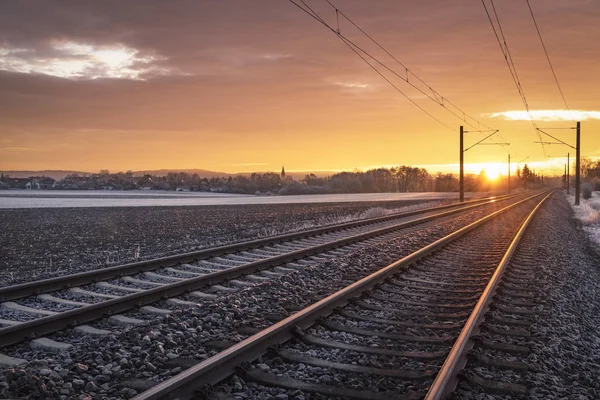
(241, 85)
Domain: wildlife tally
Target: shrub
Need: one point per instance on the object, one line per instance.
(587, 192)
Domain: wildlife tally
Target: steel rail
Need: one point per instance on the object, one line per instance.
(62, 282)
(447, 378)
(223, 364)
(66, 319)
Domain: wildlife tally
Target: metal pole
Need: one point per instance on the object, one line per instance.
(462, 167)
(578, 165)
(509, 174)
(568, 174)
(565, 179)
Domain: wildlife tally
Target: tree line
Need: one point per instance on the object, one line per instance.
(379, 180)
(401, 178)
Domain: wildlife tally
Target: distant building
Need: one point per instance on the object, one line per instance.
(40, 183)
(16, 183)
(282, 173)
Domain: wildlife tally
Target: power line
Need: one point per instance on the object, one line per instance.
(365, 56)
(547, 56)
(510, 63)
(434, 95)
(351, 46)
(355, 48)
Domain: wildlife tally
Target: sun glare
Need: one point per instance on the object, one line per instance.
(493, 171)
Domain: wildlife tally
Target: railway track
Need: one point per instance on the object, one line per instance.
(499, 358)
(402, 332)
(38, 308)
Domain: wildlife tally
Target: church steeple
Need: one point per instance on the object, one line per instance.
(282, 172)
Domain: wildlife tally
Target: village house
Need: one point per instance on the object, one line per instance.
(16, 183)
(38, 183)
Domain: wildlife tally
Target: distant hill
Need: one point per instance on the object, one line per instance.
(54, 174)
(202, 172)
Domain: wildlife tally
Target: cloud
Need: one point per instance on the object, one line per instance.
(69, 59)
(547, 115)
(276, 57)
(353, 85)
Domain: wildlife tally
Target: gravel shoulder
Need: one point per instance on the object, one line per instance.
(567, 338)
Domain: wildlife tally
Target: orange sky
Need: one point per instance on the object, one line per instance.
(240, 86)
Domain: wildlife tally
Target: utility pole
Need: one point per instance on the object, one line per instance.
(565, 179)
(568, 173)
(577, 149)
(462, 155)
(577, 165)
(462, 166)
(509, 174)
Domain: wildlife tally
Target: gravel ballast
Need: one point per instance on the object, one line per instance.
(144, 352)
(565, 339)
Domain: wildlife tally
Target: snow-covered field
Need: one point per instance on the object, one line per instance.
(112, 193)
(588, 212)
(63, 199)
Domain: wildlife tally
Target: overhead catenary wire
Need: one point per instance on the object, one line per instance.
(375, 62)
(501, 38)
(434, 95)
(351, 46)
(354, 48)
(556, 160)
(547, 56)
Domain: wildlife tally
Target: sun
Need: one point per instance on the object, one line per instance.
(493, 170)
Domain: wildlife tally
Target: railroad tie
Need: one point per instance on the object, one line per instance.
(90, 330)
(266, 378)
(499, 387)
(129, 279)
(49, 345)
(183, 272)
(89, 293)
(163, 277)
(155, 310)
(106, 285)
(122, 320)
(12, 306)
(49, 297)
